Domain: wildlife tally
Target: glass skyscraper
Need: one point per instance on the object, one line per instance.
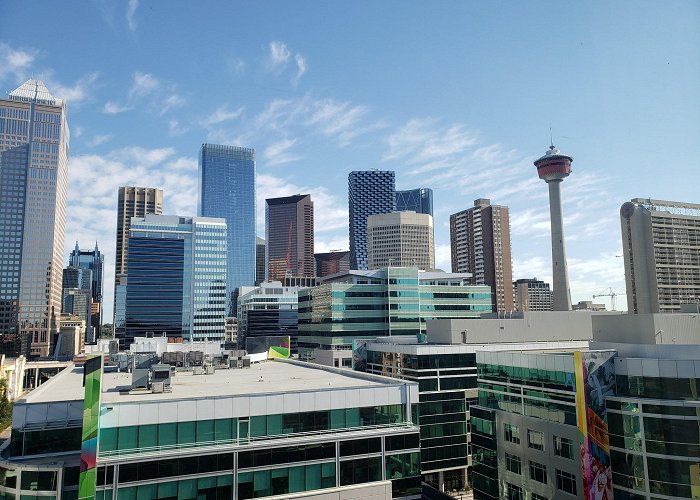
(34, 141)
(419, 200)
(227, 190)
(289, 235)
(370, 192)
(177, 278)
(94, 261)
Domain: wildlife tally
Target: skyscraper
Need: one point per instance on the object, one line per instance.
(531, 294)
(419, 200)
(177, 278)
(289, 235)
(94, 261)
(132, 202)
(260, 251)
(34, 141)
(661, 249)
(77, 296)
(227, 190)
(553, 168)
(480, 244)
(400, 239)
(369, 192)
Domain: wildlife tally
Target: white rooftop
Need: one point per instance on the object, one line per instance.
(34, 90)
(261, 378)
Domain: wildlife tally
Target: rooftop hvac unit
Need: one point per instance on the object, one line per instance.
(246, 362)
(161, 373)
(197, 370)
(139, 377)
(158, 387)
(113, 346)
(209, 369)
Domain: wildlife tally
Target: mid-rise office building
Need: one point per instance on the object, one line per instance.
(94, 261)
(364, 305)
(400, 239)
(71, 337)
(227, 190)
(267, 310)
(531, 295)
(276, 428)
(612, 420)
(289, 236)
(177, 278)
(332, 262)
(418, 200)
(480, 244)
(369, 192)
(661, 249)
(34, 140)
(260, 251)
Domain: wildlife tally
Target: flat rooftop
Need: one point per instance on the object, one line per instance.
(266, 377)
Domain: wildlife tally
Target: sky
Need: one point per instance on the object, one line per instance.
(456, 96)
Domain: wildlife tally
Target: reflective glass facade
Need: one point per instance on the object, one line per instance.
(227, 191)
(418, 200)
(94, 261)
(34, 140)
(177, 282)
(369, 192)
(289, 235)
(386, 302)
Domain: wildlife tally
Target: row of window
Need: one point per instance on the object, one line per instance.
(565, 482)
(563, 447)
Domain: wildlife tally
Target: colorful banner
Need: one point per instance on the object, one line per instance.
(92, 378)
(283, 350)
(276, 346)
(359, 355)
(595, 380)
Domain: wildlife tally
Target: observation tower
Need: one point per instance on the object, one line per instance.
(553, 168)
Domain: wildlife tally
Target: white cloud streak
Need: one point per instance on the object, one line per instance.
(131, 14)
(15, 63)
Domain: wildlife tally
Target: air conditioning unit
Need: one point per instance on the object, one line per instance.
(197, 370)
(209, 369)
(157, 387)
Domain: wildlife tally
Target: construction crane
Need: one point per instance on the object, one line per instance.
(608, 292)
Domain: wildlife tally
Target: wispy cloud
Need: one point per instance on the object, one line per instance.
(175, 128)
(161, 96)
(278, 60)
(99, 139)
(279, 152)
(15, 63)
(222, 114)
(78, 92)
(131, 14)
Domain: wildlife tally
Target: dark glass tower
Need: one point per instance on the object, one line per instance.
(370, 192)
(34, 141)
(227, 190)
(94, 261)
(289, 228)
(419, 200)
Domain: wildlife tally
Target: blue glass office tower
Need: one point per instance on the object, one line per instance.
(419, 200)
(94, 261)
(370, 192)
(177, 278)
(227, 190)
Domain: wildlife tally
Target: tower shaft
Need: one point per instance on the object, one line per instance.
(561, 300)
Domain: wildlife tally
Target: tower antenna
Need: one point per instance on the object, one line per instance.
(551, 140)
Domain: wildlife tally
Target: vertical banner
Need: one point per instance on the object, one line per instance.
(359, 355)
(595, 380)
(92, 378)
(281, 349)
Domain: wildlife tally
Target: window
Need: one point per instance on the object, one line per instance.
(513, 463)
(563, 447)
(514, 492)
(566, 482)
(512, 433)
(538, 472)
(535, 496)
(535, 439)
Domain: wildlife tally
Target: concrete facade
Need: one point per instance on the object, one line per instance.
(400, 239)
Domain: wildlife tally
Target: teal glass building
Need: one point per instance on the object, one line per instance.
(381, 303)
(227, 191)
(177, 277)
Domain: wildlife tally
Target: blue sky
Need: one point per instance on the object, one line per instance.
(457, 96)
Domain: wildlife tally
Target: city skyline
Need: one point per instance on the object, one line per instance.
(314, 116)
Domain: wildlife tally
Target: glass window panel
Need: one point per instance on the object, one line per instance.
(148, 435)
(185, 432)
(222, 429)
(187, 489)
(274, 425)
(167, 434)
(147, 492)
(205, 431)
(258, 426)
(128, 493)
(261, 483)
(313, 477)
(108, 439)
(296, 479)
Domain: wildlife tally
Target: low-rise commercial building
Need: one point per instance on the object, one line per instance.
(276, 428)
